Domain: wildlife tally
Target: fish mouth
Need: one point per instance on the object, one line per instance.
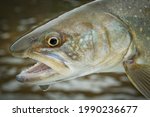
(35, 73)
(46, 67)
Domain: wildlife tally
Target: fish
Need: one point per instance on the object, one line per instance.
(98, 37)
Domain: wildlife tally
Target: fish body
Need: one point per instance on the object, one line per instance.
(101, 36)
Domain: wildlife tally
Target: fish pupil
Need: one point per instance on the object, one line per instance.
(53, 41)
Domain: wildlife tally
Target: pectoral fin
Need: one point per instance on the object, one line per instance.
(139, 75)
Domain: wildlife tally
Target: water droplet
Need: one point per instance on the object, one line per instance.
(44, 87)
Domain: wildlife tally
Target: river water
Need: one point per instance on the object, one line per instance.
(20, 16)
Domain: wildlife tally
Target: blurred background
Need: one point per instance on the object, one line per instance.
(20, 16)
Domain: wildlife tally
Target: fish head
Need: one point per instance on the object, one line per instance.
(75, 44)
(62, 48)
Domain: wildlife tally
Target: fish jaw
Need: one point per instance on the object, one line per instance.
(49, 68)
(35, 73)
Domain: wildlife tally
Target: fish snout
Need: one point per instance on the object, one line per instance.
(21, 45)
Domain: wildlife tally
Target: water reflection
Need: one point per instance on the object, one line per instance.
(16, 18)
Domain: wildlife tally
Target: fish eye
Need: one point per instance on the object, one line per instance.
(53, 41)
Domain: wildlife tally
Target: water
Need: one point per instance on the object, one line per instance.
(20, 16)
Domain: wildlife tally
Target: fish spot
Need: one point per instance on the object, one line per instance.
(145, 6)
(140, 10)
(141, 29)
(144, 23)
(74, 57)
(130, 7)
(85, 46)
(71, 48)
(120, 9)
(135, 16)
(76, 48)
(70, 54)
(148, 38)
(81, 40)
(73, 45)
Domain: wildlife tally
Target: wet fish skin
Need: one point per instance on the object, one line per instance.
(101, 36)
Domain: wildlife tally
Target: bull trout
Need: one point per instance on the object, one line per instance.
(101, 36)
